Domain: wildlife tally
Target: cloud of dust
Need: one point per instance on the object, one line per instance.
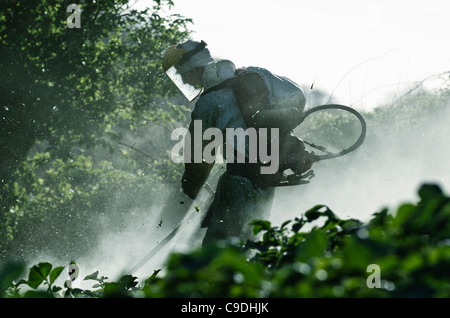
(384, 172)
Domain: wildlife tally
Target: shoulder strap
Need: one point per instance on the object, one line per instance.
(227, 83)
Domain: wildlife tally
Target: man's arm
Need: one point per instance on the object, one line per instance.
(218, 109)
(195, 174)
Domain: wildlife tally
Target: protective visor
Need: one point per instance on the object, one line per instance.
(186, 82)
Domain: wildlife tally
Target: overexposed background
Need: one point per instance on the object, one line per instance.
(362, 52)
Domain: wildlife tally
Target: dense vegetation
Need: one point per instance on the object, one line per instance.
(85, 115)
(85, 124)
(410, 250)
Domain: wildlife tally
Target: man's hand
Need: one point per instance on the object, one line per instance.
(189, 189)
(295, 179)
(194, 177)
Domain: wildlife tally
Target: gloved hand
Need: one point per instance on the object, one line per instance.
(194, 177)
(305, 163)
(189, 191)
(295, 179)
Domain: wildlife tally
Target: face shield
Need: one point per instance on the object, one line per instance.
(183, 64)
(188, 82)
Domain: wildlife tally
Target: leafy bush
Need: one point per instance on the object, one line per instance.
(333, 258)
(80, 113)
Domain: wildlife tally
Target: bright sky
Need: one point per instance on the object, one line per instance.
(362, 51)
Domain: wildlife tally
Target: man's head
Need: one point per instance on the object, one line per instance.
(184, 64)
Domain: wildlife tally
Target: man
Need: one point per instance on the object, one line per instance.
(243, 193)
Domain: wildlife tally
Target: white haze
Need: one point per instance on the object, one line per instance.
(385, 172)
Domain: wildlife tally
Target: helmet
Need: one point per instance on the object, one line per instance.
(182, 62)
(171, 56)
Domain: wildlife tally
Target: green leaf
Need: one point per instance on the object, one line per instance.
(331, 216)
(314, 213)
(45, 269)
(77, 293)
(259, 225)
(350, 224)
(20, 282)
(429, 191)
(56, 289)
(128, 281)
(299, 222)
(152, 278)
(285, 223)
(357, 254)
(35, 277)
(55, 273)
(314, 246)
(404, 213)
(93, 276)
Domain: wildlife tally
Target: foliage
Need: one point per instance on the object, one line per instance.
(79, 109)
(330, 259)
(336, 130)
